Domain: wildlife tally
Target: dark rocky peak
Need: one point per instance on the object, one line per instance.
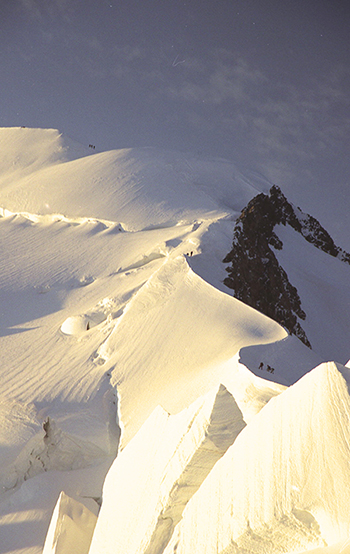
(255, 274)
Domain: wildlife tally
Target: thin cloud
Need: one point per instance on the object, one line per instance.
(286, 128)
(224, 77)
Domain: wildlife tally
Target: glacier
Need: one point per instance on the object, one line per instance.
(134, 386)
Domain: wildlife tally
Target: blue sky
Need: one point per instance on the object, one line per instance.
(264, 83)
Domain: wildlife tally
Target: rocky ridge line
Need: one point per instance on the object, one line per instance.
(255, 274)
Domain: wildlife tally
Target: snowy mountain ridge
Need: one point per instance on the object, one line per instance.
(119, 335)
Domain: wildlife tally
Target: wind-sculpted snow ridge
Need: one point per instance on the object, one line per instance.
(283, 486)
(154, 477)
(47, 219)
(255, 274)
(71, 527)
(182, 329)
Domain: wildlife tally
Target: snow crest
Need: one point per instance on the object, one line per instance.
(284, 484)
(160, 470)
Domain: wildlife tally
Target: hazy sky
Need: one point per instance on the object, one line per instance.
(263, 82)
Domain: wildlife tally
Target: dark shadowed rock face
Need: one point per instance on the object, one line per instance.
(255, 274)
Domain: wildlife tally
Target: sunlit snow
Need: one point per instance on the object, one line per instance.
(118, 336)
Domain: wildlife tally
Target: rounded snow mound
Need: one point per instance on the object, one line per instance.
(75, 325)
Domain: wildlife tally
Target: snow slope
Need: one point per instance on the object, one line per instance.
(111, 304)
(323, 286)
(26, 151)
(140, 187)
(182, 329)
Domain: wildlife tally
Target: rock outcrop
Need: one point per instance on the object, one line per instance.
(255, 274)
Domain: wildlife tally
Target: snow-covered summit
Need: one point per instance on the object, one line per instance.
(112, 304)
(27, 150)
(141, 187)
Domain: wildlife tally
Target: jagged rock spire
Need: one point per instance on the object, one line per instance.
(255, 274)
